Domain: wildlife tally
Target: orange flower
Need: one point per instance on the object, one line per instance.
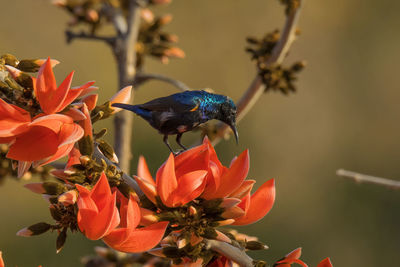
(289, 259)
(177, 182)
(127, 237)
(256, 206)
(97, 214)
(44, 140)
(53, 99)
(325, 263)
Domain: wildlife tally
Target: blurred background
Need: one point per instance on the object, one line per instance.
(345, 115)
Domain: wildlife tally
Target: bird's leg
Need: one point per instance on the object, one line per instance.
(167, 143)
(178, 141)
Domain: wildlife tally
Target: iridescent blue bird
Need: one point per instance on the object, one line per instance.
(182, 112)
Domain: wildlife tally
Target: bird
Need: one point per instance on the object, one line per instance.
(182, 112)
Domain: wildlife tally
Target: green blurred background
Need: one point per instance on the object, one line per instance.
(344, 115)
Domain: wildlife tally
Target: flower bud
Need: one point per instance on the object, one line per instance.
(107, 151)
(68, 198)
(255, 245)
(35, 229)
(53, 188)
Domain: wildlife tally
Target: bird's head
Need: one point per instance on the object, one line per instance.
(228, 115)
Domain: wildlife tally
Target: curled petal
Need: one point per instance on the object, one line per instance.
(166, 181)
(122, 96)
(87, 123)
(90, 101)
(73, 93)
(187, 187)
(37, 143)
(232, 178)
(75, 114)
(149, 189)
(261, 203)
(143, 171)
(325, 263)
(141, 239)
(1, 259)
(68, 198)
(13, 119)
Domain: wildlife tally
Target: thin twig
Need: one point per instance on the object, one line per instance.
(82, 35)
(257, 87)
(363, 178)
(145, 77)
(233, 253)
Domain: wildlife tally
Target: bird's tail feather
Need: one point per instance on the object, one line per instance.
(146, 114)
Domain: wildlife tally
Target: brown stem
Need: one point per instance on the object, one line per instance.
(125, 55)
(233, 253)
(257, 87)
(363, 178)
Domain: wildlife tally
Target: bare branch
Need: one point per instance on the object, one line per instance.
(82, 35)
(363, 178)
(257, 87)
(125, 55)
(233, 253)
(145, 77)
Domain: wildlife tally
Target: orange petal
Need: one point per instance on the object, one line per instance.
(90, 101)
(101, 192)
(198, 160)
(122, 96)
(325, 263)
(232, 179)
(73, 157)
(87, 91)
(149, 189)
(75, 114)
(244, 189)
(261, 203)
(187, 184)
(7, 140)
(49, 96)
(13, 119)
(72, 93)
(166, 181)
(69, 134)
(143, 171)
(87, 123)
(62, 151)
(35, 144)
(213, 154)
(53, 121)
(188, 156)
(141, 239)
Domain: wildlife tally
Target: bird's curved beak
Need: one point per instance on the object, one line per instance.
(235, 132)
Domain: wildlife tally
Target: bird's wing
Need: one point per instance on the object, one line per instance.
(181, 102)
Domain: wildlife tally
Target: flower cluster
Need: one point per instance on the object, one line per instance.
(49, 132)
(176, 218)
(196, 194)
